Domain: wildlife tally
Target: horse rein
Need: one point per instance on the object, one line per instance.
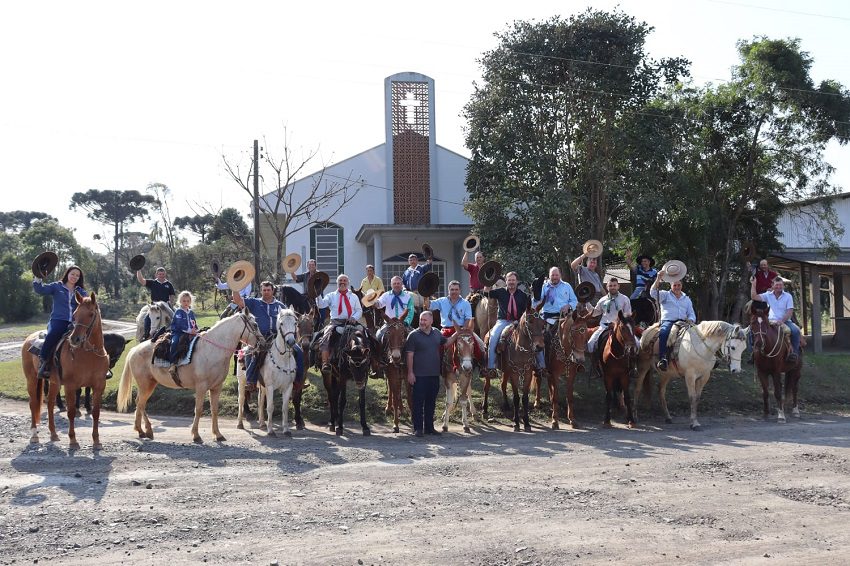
(89, 330)
(777, 347)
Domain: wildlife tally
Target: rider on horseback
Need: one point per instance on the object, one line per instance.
(608, 307)
(473, 269)
(512, 304)
(161, 290)
(675, 306)
(781, 305)
(395, 305)
(182, 324)
(455, 311)
(645, 273)
(64, 304)
(557, 298)
(344, 307)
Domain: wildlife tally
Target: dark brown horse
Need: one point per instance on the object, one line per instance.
(304, 335)
(565, 349)
(83, 362)
(516, 361)
(351, 362)
(618, 364)
(770, 351)
(393, 358)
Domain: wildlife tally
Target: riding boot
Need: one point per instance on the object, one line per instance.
(173, 371)
(326, 364)
(44, 369)
(108, 373)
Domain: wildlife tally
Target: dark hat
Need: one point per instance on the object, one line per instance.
(316, 284)
(215, 268)
(137, 262)
(428, 284)
(489, 273)
(585, 291)
(537, 287)
(471, 243)
(44, 264)
(748, 250)
(428, 251)
(651, 259)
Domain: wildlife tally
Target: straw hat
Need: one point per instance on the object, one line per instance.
(137, 262)
(489, 273)
(44, 264)
(240, 275)
(471, 243)
(674, 271)
(592, 248)
(369, 298)
(291, 263)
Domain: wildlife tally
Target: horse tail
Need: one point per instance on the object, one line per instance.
(125, 386)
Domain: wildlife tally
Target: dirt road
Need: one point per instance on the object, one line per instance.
(740, 491)
(11, 349)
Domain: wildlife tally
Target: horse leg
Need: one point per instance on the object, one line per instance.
(506, 408)
(394, 395)
(330, 389)
(535, 385)
(451, 401)
(486, 408)
(200, 394)
(609, 398)
(778, 392)
(639, 377)
(240, 415)
(362, 405)
(465, 393)
(284, 419)
(792, 383)
(526, 423)
(296, 404)
(765, 393)
(215, 393)
(51, 421)
(515, 391)
(340, 410)
(627, 399)
(36, 391)
(88, 401)
(571, 381)
(95, 413)
(552, 382)
(662, 397)
(691, 382)
(262, 399)
(145, 390)
(71, 403)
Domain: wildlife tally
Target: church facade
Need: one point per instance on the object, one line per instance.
(411, 191)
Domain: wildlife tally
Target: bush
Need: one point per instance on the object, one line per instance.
(17, 301)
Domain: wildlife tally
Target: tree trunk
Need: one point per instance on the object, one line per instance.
(116, 282)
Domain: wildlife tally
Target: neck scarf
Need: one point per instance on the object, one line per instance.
(344, 296)
(512, 307)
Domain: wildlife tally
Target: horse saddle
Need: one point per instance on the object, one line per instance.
(603, 339)
(674, 341)
(38, 344)
(506, 336)
(162, 350)
(35, 347)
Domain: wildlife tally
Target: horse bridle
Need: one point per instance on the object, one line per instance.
(777, 347)
(89, 329)
(626, 349)
(390, 326)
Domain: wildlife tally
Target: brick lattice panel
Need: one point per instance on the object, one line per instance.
(411, 153)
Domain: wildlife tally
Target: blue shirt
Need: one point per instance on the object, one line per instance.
(265, 313)
(556, 297)
(411, 276)
(644, 278)
(64, 301)
(673, 308)
(183, 322)
(450, 314)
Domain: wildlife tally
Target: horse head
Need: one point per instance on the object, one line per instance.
(760, 329)
(357, 356)
(305, 331)
(574, 332)
(287, 325)
(535, 327)
(250, 333)
(623, 332)
(733, 347)
(465, 349)
(394, 338)
(86, 320)
(160, 314)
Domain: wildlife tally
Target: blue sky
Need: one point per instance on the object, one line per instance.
(111, 95)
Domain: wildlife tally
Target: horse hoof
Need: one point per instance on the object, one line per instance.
(220, 438)
(696, 427)
(516, 428)
(395, 429)
(288, 434)
(780, 420)
(97, 446)
(367, 431)
(149, 435)
(272, 433)
(54, 437)
(240, 426)
(574, 425)
(555, 425)
(339, 431)
(331, 428)
(34, 440)
(631, 424)
(527, 428)
(668, 420)
(795, 413)
(607, 425)
(262, 426)
(198, 440)
(74, 445)
(299, 426)
(445, 429)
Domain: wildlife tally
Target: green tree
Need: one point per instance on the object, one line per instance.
(115, 208)
(229, 225)
(17, 301)
(199, 224)
(17, 221)
(50, 235)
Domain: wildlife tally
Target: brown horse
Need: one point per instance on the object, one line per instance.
(351, 362)
(457, 376)
(83, 362)
(770, 351)
(618, 364)
(304, 335)
(565, 349)
(516, 361)
(392, 356)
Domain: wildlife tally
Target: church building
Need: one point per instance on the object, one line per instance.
(411, 192)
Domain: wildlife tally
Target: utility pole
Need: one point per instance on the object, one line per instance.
(256, 215)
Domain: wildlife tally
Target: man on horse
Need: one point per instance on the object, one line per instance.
(344, 307)
(455, 311)
(675, 306)
(305, 279)
(475, 285)
(591, 250)
(557, 298)
(371, 281)
(265, 310)
(413, 274)
(608, 307)
(160, 288)
(512, 304)
(781, 305)
(645, 273)
(395, 305)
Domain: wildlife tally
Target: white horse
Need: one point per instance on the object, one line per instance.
(697, 356)
(457, 377)
(278, 372)
(207, 371)
(161, 315)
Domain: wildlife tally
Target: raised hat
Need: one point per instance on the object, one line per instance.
(137, 262)
(291, 263)
(240, 275)
(592, 248)
(215, 268)
(427, 251)
(471, 243)
(585, 291)
(748, 250)
(537, 287)
(316, 284)
(428, 284)
(489, 273)
(369, 298)
(44, 264)
(675, 270)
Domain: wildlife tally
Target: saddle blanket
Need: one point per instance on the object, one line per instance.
(185, 360)
(35, 347)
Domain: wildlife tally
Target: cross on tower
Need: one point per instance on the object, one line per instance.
(409, 103)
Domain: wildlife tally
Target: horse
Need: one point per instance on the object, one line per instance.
(565, 349)
(697, 355)
(304, 334)
(486, 312)
(457, 376)
(278, 372)
(352, 362)
(207, 372)
(770, 351)
(160, 314)
(392, 356)
(516, 360)
(83, 362)
(114, 344)
(617, 361)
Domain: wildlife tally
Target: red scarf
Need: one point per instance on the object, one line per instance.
(512, 307)
(344, 295)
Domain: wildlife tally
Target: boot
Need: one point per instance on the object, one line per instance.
(173, 371)
(44, 369)
(326, 364)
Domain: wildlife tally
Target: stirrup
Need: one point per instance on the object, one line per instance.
(44, 370)
(662, 364)
(792, 357)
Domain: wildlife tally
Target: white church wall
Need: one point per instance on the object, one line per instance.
(450, 188)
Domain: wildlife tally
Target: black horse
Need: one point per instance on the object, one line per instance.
(351, 362)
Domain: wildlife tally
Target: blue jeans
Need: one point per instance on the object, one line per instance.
(663, 335)
(425, 392)
(252, 371)
(795, 336)
(495, 333)
(636, 293)
(55, 330)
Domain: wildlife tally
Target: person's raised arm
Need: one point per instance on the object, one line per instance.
(463, 261)
(753, 295)
(577, 262)
(629, 262)
(238, 300)
(139, 278)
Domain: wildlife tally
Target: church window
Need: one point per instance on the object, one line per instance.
(326, 246)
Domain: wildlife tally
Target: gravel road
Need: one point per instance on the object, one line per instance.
(11, 349)
(740, 491)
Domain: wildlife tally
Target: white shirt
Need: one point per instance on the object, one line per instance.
(778, 305)
(333, 300)
(385, 301)
(609, 314)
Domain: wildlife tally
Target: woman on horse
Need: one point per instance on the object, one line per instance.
(64, 304)
(645, 273)
(183, 323)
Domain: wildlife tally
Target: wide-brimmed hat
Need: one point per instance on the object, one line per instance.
(316, 284)
(489, 273)
(137, 262)
(537, 287)
(471, 243)
(427, 251)
(675, 270)
(748, 250)
(592, 248)
(44, 264)
(240, 275)
(585, 291)
(428, 284)
(291, 263)
(215, 268)
(369, 298)
(651, 259)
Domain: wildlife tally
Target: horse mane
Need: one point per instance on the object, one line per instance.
(166, 307)
(713, 328)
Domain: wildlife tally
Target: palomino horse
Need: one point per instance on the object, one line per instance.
(392, 356)
(697, 355)
(565, 351)
(485, 315)
(352, 362)
(83, 362)
(516, 361)
(770, 351)
(617, 359)
(207, 372)
(457, 376)
(161, 315)
(278, 372)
